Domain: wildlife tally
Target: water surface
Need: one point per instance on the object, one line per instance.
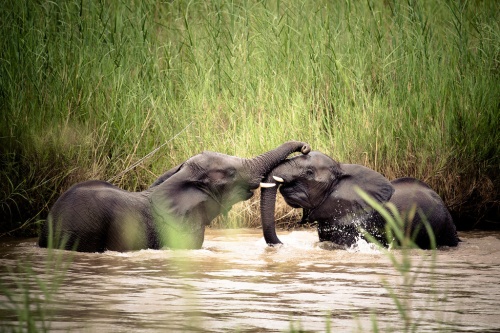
(236, 282)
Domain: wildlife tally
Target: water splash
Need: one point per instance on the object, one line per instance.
(363, 246)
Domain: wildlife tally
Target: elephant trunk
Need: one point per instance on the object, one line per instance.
(267, 207)
(261, 165)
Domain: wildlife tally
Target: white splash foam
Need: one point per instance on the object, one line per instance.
(300, 239)
(362, 246)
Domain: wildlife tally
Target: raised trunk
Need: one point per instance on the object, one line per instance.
(261, 165)
(267, 206)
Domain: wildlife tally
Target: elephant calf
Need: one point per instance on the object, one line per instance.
(326, 190)
(95, 216)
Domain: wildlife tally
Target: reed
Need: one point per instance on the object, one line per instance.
(89, 88)
(28, 295)
(413, 269)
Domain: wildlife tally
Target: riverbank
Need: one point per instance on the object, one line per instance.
(87, 90)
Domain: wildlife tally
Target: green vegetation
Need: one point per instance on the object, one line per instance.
(408, 267)
(89, 88)
(414, 268)
(28, 294)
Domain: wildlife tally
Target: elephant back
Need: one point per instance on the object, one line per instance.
(413, 194)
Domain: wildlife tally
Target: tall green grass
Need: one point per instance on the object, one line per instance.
(87, 89)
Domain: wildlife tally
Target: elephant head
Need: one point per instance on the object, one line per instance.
(188, 197)
(326, 190)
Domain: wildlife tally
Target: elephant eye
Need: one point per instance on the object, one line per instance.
(231, 172)
(309, 172)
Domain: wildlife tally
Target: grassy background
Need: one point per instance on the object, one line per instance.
(408, 88)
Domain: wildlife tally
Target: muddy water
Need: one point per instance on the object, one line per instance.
(236, 282)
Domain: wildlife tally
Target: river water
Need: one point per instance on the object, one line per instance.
(236, 283)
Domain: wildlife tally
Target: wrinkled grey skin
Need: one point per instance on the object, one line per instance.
(325, 189)
(95, 216)
(411, 191)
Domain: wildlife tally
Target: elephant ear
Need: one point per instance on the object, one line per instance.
(180, 210)
(178, 195)
(346, 203)
(167, 175)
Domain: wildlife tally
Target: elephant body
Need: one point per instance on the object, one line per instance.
(327, 192)
(412, 194)
(95, 216)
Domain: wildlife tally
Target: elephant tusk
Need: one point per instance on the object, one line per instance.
(267, 185)
(278, 179)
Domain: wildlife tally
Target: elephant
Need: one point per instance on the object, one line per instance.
(326, 191)
(409, 193)
(95, 216)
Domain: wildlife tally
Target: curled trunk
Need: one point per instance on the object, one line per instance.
(261, 165)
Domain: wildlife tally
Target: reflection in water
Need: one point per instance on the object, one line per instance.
(237, 282)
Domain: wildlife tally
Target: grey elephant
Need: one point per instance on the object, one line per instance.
(95, 216)
(326, 191)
